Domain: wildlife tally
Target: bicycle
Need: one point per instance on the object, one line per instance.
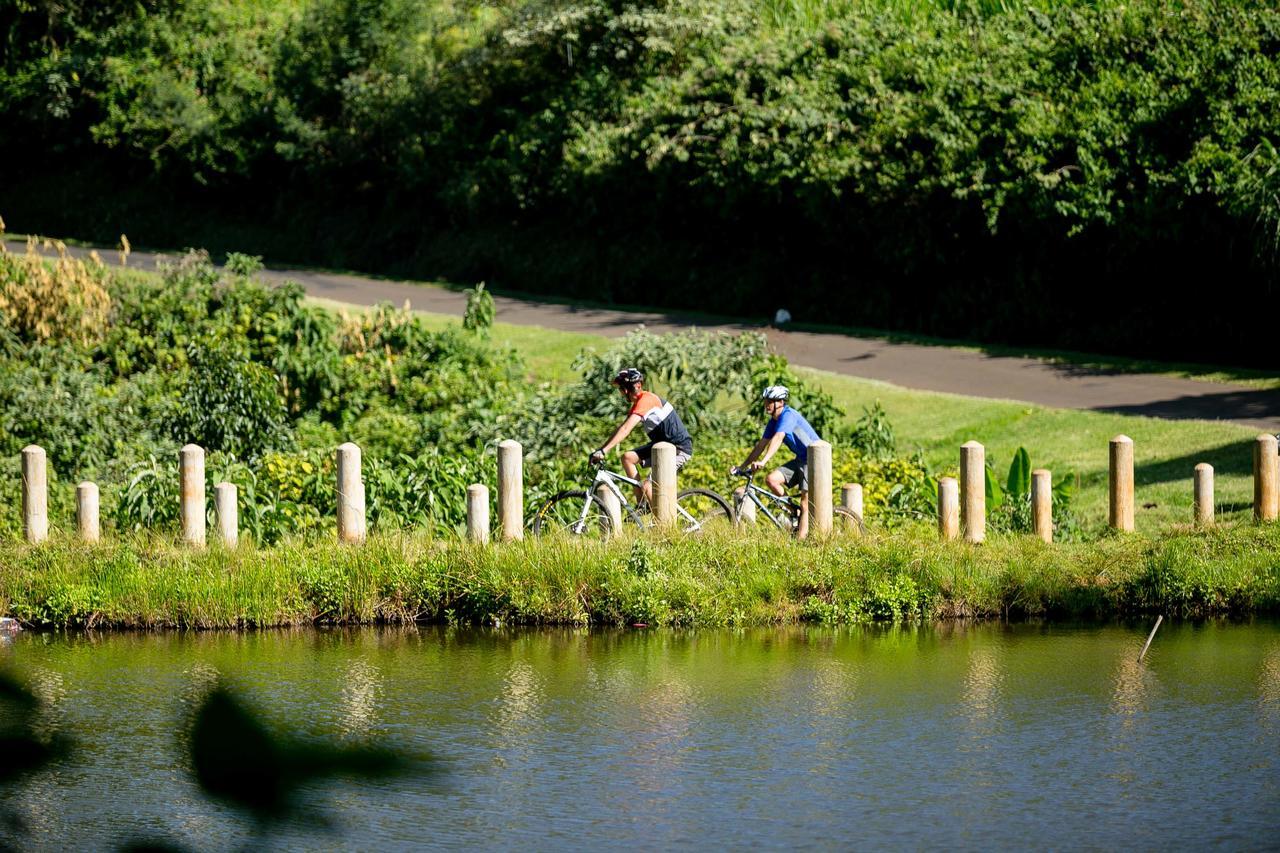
(843, 517)
(583, 513)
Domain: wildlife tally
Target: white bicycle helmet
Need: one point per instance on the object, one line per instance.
(775, 392)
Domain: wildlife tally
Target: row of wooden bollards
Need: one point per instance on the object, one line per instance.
(350, 503)
(962, 505)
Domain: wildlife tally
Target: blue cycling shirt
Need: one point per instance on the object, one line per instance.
(797, 434)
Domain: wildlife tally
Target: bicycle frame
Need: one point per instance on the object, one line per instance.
(610, 479)
(752, 491)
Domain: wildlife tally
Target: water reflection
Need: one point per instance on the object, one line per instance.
(1269, 689)
(878, 737)
(518, 705)
(982, 683)
(1131, 684)
(361, 691)
(50, 688)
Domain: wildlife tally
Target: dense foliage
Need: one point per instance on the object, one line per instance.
(270, 385)
(994, 169)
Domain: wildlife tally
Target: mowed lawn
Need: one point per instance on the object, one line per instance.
(1068, 442)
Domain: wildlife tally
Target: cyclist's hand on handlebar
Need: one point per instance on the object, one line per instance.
(597, 457)
(755, 466)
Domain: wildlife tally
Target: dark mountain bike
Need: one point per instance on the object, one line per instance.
(784, 511)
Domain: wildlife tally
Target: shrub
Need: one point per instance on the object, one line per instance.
(44, 300)
(228, 403)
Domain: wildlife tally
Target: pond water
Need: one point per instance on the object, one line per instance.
(959, 736)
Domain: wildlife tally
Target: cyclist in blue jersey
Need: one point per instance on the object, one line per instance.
(788, 426)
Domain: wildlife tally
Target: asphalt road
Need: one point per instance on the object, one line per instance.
(929, 368)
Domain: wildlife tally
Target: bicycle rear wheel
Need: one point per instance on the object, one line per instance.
(702, 510)
(574, 513)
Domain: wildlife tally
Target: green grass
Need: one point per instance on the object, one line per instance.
(716, 580)
(1069, 441)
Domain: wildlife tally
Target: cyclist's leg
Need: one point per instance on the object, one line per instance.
(631, 462)
(794, 475)
(776, 480)
(801, 481)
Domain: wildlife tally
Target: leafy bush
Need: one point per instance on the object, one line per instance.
(44, 300)
(1010, 504)
(873, 434)
(480, 310)
(228, 403)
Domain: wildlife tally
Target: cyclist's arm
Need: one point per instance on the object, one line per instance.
(774, 443)
(755, 452)
(619, 435)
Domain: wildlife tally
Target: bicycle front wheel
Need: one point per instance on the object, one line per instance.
(701, 510)
(574, 513)
(846, 520)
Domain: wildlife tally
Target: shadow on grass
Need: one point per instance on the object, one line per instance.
(1235, 457)
(1261, 405)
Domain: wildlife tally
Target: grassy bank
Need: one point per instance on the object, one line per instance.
(730, 580)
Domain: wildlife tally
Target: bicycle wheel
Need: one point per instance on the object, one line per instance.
(574, 513)
(700, 510)
(846, 520)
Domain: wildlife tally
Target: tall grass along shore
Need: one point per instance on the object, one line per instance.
(728, 579)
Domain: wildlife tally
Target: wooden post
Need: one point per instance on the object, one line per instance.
(227, 508)
(973, 491)
(820, 515)
(851, 498)
(948, 508)
(664, 483)
(1042, 504)
(1264, 478)
(478, 513)
(351, 527)
(612, 506)
(1120, 509)
(35, 494)
(1202, 507)
(88, 504)
(511, 490)
(191, 483)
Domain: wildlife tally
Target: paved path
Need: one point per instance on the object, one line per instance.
(930, 368)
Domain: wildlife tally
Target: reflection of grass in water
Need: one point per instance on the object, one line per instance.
(729, 578)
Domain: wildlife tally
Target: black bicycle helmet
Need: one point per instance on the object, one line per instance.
(628, 376)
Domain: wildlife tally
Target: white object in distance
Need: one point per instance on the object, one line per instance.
(782, 316)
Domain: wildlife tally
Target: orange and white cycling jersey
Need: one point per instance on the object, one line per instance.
(661, 421)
